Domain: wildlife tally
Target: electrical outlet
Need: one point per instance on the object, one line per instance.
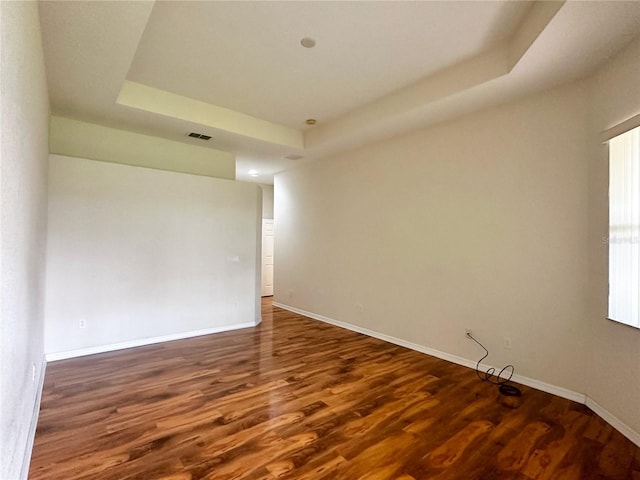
(82, 323)
(507, 343)
(467, 332)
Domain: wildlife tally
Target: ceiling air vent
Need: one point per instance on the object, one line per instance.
(201, 136)
(293, 156)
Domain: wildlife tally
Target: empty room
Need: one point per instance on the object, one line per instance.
(320, 240)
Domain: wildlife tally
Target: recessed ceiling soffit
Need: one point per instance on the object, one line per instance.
(490, 64)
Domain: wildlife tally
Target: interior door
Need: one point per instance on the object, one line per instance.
(267, 257)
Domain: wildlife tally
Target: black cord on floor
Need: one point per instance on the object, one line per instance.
(508, 390)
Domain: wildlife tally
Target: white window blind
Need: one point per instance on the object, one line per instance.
(624, 228)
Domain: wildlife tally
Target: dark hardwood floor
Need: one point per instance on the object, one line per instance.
(299, 399)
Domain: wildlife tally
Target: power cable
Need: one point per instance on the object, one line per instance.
(508, 390)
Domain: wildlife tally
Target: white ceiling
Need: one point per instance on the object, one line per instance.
(378, 69)
(247, 55)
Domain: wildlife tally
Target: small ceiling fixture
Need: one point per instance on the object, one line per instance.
(293, 156)
(201, 136)
(253, 172)
(307, 42)
(310, 121)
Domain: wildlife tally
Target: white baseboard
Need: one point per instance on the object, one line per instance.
(549, 388)
(26, 460)
(54, 356)
(614, 421)
(530, 382)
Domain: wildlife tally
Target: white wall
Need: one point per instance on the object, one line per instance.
(613, 360)
(23, 173)
(267, 201)
(479, 223)
(139, 253)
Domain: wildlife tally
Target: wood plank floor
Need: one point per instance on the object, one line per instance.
(298, 399)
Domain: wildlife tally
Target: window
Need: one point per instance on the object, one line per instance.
(624, 228)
